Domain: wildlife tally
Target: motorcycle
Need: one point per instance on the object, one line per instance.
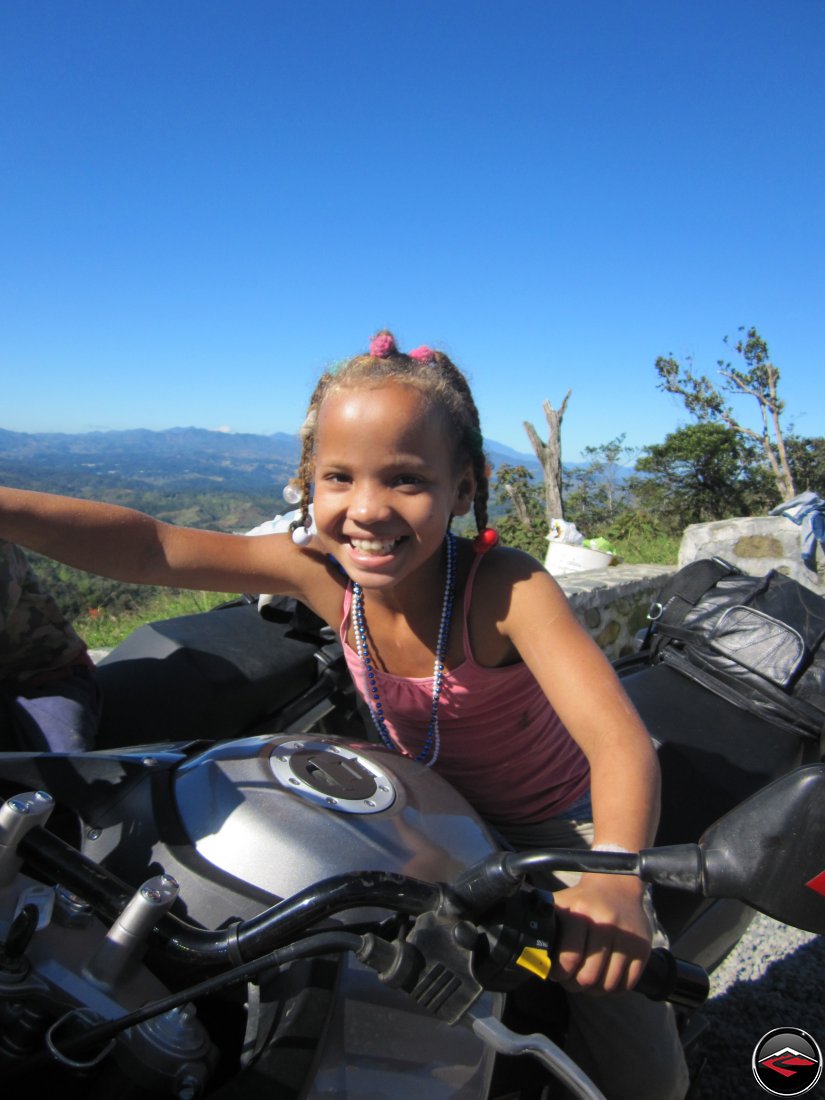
(241, 894)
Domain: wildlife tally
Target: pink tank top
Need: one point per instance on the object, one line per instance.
(502, 744)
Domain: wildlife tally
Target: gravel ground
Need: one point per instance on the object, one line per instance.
(773, 979)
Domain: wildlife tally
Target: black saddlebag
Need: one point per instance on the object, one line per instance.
(756, 641)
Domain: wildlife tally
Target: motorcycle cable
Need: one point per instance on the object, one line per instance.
(322, 943)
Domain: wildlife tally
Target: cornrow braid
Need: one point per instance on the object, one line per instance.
(432, 373)
(471, 439)
(303, 478)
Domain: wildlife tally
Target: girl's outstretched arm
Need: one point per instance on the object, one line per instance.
(130, 546)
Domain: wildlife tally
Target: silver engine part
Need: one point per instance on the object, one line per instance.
(61, 967)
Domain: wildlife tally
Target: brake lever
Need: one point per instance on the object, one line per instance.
(505, 1041)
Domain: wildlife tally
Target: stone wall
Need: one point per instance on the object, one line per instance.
(612, 603)
(755, 545)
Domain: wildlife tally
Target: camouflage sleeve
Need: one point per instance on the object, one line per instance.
(35, 637)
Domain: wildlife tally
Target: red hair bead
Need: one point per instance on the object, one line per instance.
(485, 540)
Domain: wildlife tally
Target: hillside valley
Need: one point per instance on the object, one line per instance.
(190, 476)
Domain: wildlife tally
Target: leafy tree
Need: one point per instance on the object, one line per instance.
(758, 379)
(807, 461)
(595, 493)
(524, 525)
(702, 472)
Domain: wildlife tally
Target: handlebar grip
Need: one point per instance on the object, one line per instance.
(666, 978)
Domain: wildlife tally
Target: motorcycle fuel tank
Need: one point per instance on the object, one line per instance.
(285, 812)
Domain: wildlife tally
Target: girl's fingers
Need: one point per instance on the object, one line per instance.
(570, 947)
(597, 958)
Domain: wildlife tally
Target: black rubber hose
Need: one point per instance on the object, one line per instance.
(375, 889)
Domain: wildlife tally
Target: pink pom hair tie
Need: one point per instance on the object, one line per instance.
(423, 354)
(382, 346)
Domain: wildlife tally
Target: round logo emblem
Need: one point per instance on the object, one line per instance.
(787, 1062)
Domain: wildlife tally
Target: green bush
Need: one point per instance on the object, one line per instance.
(639, 540)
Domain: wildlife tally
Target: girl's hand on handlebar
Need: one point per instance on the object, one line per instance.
(603, 935)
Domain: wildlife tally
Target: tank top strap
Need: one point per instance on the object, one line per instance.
(468, 595)
(345, 610)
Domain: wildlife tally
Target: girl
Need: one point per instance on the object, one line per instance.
(467, 653)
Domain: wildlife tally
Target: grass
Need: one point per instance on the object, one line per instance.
(645, 548)
(103, 629)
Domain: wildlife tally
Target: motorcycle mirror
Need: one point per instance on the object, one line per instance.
(770, 850)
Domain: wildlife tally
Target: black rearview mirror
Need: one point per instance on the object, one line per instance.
(770, 851)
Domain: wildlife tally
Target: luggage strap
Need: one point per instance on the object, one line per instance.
(682, 593)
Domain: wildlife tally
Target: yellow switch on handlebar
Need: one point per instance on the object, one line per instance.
(536, 960)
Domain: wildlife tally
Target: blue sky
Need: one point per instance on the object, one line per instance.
(204, 203)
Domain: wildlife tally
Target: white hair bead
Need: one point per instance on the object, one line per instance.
(301, 536)
(291, 494)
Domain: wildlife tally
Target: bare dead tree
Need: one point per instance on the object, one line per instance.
(549, 455)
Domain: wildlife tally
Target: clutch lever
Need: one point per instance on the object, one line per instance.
(503, 1040)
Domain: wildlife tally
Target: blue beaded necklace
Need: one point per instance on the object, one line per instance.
(433, 738)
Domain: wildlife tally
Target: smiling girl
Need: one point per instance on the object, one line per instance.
(466, 652)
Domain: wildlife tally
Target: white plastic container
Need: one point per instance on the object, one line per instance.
(563, 557)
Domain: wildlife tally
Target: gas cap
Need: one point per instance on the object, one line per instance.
(333, 776)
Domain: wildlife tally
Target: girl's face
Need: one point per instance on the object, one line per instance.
(386, 482)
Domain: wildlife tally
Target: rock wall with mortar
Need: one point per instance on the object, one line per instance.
(612, 603)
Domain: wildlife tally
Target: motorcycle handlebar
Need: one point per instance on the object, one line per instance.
(666, 978)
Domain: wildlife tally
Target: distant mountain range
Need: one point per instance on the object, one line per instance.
(175, 460)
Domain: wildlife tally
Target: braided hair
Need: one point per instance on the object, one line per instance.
(430, 372)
